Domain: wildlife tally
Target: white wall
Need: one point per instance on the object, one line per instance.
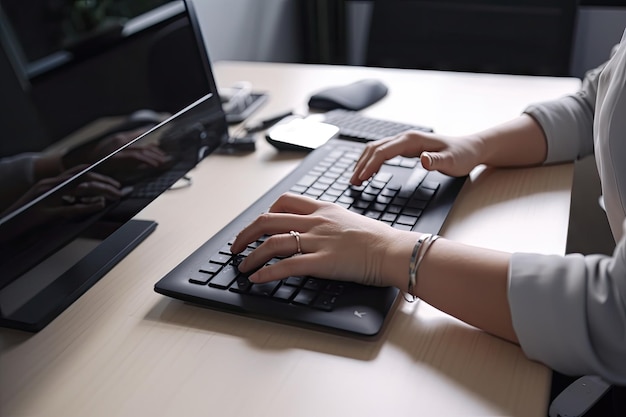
(252, 30)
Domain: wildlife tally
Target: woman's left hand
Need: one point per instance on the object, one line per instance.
(334, 242)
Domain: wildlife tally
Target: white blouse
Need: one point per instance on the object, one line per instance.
(569, 312)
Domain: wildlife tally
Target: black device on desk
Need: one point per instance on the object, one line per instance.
(354, 96)
(55, 246)
(402, 194)
(57, 243)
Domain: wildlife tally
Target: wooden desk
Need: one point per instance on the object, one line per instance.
(123, 350)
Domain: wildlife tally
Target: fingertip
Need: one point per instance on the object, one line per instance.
(355, 180)
(427, 160)
(234, 248)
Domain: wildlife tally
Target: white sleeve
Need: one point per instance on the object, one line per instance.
(569, 312)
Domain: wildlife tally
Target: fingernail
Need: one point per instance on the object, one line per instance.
(428, 158)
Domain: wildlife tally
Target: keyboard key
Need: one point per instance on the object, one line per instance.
(298, 189)
(388, 192)
(334, 192)
(241, 285)
(325, 302)
(285, 292)
(210, 268)
(430, 184)
(199, 277)
(334, 288)
(417, 204)
(266, 289)
(295, 281)
(307, 180)
(312, 192)
(221, 258)
(327, 197)
(388, 217)
(408, 163)
(423, 193)
(408, 220)
(380, 207)
(409, 211)
(305, 297)
(401, 226)
(226, 250)
(313, 284)
(357, 210)
(224, 278)
(384, 177)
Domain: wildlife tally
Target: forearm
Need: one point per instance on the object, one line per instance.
(466, 282)
(519, 142)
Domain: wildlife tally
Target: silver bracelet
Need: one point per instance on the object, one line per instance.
(413, 264)
(419, 251)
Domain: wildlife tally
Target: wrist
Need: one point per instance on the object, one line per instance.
(481, 149)
(397, 259)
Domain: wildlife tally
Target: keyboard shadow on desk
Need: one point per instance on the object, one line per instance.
(264, 333)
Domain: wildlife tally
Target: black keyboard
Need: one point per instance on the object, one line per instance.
(355, 126)
(379, 198)
(402, 194)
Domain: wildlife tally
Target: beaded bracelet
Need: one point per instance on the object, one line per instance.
(419, 251)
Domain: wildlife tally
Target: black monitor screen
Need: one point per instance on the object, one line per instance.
(66, 210)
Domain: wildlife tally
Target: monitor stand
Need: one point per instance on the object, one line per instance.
(44, 306)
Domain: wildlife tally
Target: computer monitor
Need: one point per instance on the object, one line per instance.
(61, 234)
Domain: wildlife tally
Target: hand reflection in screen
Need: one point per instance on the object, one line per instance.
(134, 157)
(26, 176)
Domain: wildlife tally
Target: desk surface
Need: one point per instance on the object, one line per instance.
(123, 350)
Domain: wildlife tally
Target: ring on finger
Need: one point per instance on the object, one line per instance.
(297, 236)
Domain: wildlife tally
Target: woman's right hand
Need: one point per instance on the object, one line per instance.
(455, 156)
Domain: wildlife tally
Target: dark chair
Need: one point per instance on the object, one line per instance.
(515, 37)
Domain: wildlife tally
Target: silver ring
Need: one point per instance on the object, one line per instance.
(297, 236)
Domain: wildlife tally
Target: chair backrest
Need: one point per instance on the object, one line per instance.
(516, 37)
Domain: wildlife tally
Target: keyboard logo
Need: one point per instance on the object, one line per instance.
(359, 314)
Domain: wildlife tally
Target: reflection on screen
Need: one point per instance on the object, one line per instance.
(121, 130)
(69, 214)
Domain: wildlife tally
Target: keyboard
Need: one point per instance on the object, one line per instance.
(378, 198)
(355, 126)
(403, 195)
